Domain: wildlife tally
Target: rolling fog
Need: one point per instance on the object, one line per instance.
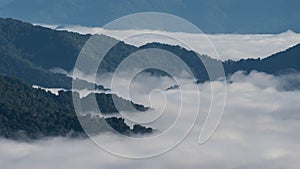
(259, 129)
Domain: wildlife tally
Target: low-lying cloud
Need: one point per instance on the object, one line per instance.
(228, 46)
(259, 130)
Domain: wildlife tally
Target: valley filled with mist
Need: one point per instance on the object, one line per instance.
(56, 115)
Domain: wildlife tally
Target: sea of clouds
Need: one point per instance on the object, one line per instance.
(228, 46)
(259, 126)
(259, 129)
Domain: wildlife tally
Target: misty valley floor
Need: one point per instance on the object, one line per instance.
(259, 129)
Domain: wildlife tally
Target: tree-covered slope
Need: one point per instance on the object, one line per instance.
(275, 64)
(26, 51)
(36, 49)
(27, 113)
(287, 60)
(42, 46)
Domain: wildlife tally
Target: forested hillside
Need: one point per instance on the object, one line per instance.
(59, 49)
(27, 53)
(27, 113)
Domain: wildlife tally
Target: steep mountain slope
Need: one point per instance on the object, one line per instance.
(27, 51)
(276, 64)
(37, 49)
(27, 113)
(47, 48)
(288, 60)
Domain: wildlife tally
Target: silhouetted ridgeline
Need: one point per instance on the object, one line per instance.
(37, 49)
(275, 64)
(27, 52)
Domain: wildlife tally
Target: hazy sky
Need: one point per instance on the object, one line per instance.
(211, 16)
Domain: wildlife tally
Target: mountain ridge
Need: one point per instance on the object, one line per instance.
(20, 59)
(27, 113)
(14, 35)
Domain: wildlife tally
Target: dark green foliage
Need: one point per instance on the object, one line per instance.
(107, 104)
(33, 112)
(288, 60)
(172, 87)
(13, 65)
(190, 58)
(35, 49)
(27, 52)
(42, 46)
(119, 125)
(139, 129)
(27, 113)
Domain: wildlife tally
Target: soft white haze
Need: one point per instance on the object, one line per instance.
(259, 129)
(228, 46)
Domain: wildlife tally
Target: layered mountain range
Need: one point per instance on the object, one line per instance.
(28, 53)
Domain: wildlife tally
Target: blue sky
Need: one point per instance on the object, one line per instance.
(213, 16)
